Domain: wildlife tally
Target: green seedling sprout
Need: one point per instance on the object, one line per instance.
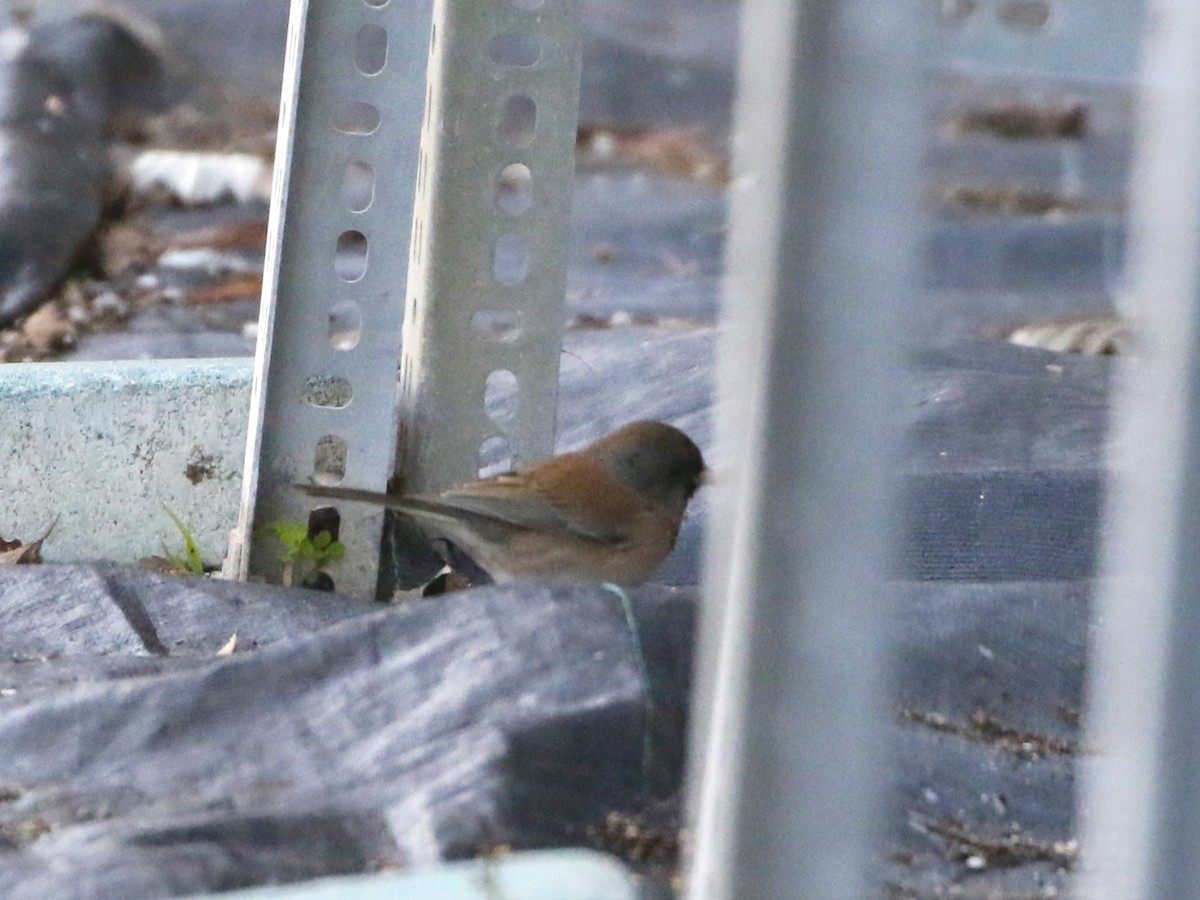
(190, 562)
(304, 557)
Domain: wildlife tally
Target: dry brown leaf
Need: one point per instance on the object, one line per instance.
(161, 565)
(48, 328)
(17, 553)
(684, 152)
(447, 581)
(77, 308)
(245, 234)
(1101, 335)
(1007, 200)
(242, 287)
(1019, 121)
(129, 247)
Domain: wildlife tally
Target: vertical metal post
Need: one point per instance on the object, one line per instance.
(1073, 40)
(1141, 797)
(786, 777)
(489, 255)
(337, 262)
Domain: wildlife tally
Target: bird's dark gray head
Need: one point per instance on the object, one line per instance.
(658, 461)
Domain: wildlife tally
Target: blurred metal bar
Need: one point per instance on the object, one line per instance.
(1072, 40)
(787, 767)
(485, 310)
(1141, 796)
(337, 261)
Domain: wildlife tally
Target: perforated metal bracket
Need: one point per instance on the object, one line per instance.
(484, 320)
(323, 402)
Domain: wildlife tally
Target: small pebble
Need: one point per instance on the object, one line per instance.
(110, 302)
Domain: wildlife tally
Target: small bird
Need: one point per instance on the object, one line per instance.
(607, 513)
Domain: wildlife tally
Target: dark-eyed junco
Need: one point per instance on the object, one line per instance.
(607, 513)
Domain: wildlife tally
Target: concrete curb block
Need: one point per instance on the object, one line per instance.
(104, 445)
(544, 875)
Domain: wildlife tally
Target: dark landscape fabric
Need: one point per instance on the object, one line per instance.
(342, 736)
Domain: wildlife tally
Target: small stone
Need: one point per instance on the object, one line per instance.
(110, 303)
(620, 319)
(47, 328)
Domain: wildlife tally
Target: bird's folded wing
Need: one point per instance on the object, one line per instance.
(507, 499)
(503, 501)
